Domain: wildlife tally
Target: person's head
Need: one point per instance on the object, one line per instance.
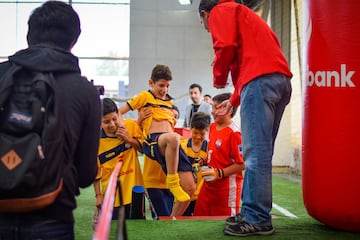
(160, 81)
(216, 101)
(176, 113)
(205, 7)
(207, 98)
(54, 23)
(199, 126)
(195, 92)
(110, 119)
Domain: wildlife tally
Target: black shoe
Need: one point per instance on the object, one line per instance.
(234, 219)
(243, 229)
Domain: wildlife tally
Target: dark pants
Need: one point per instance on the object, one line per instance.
(18, 228)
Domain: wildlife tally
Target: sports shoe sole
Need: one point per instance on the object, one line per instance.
(229, 231)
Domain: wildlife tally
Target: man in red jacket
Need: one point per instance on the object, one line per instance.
(245, 46)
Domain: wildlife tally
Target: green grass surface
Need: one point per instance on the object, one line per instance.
(286, 193)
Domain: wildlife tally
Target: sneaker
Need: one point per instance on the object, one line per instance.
(243, 229)
(234, 219)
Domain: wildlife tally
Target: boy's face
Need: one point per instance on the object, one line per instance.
(219, 118)
(110, 123)
(160, 88)
(198, 135)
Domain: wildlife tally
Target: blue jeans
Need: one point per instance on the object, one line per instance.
(17, 228)
(262, 105)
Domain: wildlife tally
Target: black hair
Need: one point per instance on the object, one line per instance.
(200, 120)
(176, 109)
(195, 85)
(222, 97)
(55, 23)
(207, 5)
(108, 106)
(161, 72)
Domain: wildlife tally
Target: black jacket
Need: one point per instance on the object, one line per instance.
(82, 123)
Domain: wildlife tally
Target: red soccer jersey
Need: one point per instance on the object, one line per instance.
(222, 197)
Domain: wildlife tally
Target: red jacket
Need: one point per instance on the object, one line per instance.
(244, 45)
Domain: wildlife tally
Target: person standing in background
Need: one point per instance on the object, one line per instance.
(245, 46)
(208, 99)
(198, 104)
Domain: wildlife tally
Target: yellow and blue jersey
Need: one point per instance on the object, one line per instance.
(161, 109)
(111, 149)
(194, 157)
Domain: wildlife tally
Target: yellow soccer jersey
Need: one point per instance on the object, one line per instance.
(110, 150)
(161, 109)
(186, 145)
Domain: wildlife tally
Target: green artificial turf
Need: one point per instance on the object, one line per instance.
(286, 193)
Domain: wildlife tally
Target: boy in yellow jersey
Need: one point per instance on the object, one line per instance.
(162, 143)
(119, 139)
(196, 148)
(155, 178)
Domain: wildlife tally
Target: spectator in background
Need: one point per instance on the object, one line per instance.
(207, 98)
(198, 104)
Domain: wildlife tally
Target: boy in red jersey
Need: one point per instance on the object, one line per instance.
(221, 191)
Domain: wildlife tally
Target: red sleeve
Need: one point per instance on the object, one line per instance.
(222, 25)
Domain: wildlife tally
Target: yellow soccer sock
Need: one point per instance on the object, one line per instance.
(173, 182)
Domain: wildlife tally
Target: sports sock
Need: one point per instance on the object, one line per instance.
(173, 182)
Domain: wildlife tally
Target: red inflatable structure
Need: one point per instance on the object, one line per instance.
(331, 120)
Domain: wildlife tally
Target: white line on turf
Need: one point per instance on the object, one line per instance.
(283, 211)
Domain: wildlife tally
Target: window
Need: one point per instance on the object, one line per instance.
(102, 48)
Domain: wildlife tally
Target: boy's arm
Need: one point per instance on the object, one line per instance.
(123, 133)
(98, 195)
(124, 109)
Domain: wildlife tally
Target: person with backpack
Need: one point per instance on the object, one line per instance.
(66, 135)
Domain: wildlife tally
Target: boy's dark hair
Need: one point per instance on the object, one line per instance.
(176, 109)
(222, 97)
(200, 120)
(207, 95)
(108, 106)
(161, 72)
(195, 85)
(55, 23)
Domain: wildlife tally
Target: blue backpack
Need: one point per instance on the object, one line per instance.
(31, 140)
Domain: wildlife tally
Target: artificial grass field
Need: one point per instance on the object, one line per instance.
(286, 193)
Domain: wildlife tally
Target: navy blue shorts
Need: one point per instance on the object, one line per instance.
(151, 149)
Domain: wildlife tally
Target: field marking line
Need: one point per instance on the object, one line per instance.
(283, 211)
